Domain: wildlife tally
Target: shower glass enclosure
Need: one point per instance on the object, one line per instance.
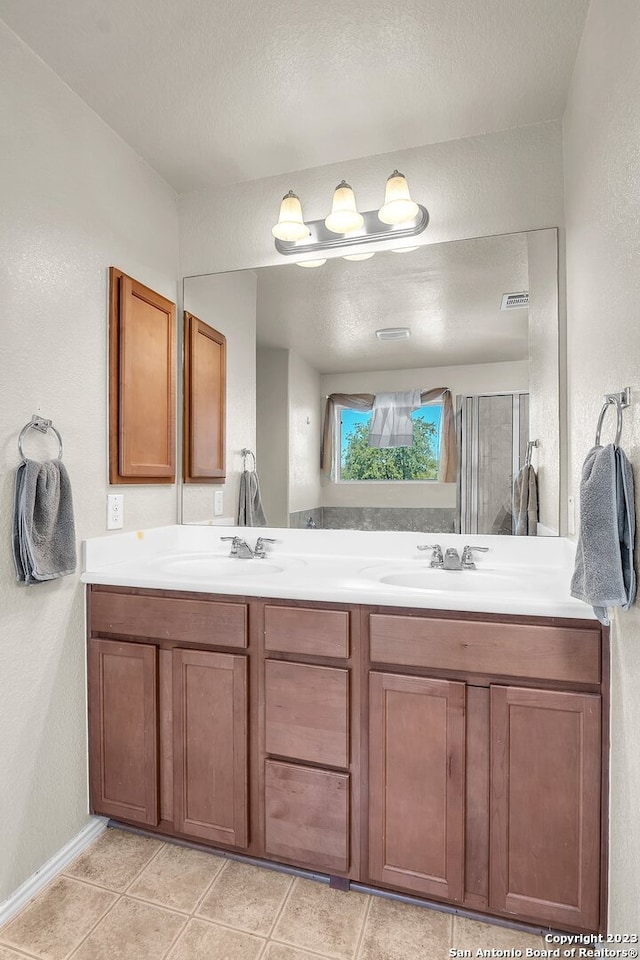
(494, 430)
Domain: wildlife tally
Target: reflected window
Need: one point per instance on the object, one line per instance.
(359, 461)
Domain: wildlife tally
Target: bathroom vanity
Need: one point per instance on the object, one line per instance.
(394, 737)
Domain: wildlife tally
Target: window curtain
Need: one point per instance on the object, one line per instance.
(448, 469)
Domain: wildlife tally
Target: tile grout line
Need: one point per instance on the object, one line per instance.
(279, 912)
(20, 952)
(208, 888)
(356, 952)
(147, 864)
(96, 924)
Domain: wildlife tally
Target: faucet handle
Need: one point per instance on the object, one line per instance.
(436, 558)
(467, 558)
(259, 550)
(234, 545)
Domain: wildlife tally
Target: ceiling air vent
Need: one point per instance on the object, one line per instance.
(514, 301)
(393, 333)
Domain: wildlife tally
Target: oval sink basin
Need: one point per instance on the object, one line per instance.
(214, 567)
(464, 581)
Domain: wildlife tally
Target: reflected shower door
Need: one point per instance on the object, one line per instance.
(494, 433)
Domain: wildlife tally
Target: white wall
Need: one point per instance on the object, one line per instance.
(499, 183)
(74, 200)
(472, 378)
(227, 303)
(272, 432)
(602, 184)
(305, 430)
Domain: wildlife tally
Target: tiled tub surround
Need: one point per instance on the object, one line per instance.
(519, 575)
(129, 897)
(434, 519)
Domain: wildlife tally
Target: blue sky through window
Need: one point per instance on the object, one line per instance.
(349, 419)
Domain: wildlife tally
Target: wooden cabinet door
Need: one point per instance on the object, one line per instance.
(545, 805)
(123, 722)
(416, 784)
(205, 392)
(210, 746)
(142, 379)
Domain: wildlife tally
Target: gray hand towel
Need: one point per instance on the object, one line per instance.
(525, 502)
(44, 540)
(250, 511)
(604, 575)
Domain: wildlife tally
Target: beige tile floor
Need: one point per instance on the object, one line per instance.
(133, 898)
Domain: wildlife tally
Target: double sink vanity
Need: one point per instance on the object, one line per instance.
(346, 703)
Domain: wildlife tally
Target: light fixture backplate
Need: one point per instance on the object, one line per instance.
(373, 229)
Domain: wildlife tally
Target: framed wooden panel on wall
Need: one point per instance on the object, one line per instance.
(142, 383)
(205, 385)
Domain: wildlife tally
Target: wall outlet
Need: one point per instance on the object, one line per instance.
(218, 503)
(571, 517)
(115, 511)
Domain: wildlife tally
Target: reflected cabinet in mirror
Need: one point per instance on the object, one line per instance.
(414, 390)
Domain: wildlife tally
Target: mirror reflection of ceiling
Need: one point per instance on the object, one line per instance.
(210, 93)
(448, 294)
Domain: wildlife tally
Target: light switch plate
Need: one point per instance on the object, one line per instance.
(115, 511)
(218, 503)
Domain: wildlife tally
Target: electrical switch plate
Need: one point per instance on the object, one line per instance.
(571, 519)
(115, 511)
(218, 503)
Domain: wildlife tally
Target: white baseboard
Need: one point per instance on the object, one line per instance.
(31, 887)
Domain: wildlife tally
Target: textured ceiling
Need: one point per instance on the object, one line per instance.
(448, 294)
(210, 92)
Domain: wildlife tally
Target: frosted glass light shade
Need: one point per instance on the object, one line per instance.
(398, 206)
(359, 256)
(344, 216)
(290, 225)
(310, 263)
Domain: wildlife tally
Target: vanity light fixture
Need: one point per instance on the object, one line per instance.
(393, 333)
(310, 263)
(359, 256)
(403, 249)
(398, 218)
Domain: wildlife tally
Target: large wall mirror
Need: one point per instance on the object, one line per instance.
(297, 336)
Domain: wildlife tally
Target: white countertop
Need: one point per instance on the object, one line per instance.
(519, 575)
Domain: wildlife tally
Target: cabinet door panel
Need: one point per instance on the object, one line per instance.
(307, 816)
(210, 746)
(545, 805)
(142, 383)
(123, 730)
(416, 784)
(205, 375)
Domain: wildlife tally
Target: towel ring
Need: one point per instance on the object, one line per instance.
(248, 453)
(41, 424)
(608, 401)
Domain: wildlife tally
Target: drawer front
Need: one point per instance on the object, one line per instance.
(167, 618)
(320, 633)
(307, 712)
(506, 649)
(307, 816)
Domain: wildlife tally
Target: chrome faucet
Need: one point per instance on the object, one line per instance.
(241, 549)
(260, 552)
(437, 560)
(452, 559)
(467, 556)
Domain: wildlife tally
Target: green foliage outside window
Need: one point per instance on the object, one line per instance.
(418, 462)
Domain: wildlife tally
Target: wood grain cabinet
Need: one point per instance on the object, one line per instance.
(455, 758)
(205, 392)
(169, 723)
(142, 383)
(416, 784)
(545, 805)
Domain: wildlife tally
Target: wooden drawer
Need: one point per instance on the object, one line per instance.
(307, 712)
(320, 633)
(208, 622)
(307, 816)
(473, 646)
